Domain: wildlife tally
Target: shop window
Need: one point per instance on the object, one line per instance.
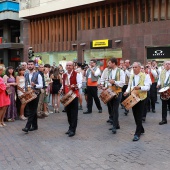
(168, 9)
(15, 33)
(156, 12)
(103, 17)
(125, 13)
(143, 11)
(114, 15)
(79, 21)
(163, 10)
(119, 14)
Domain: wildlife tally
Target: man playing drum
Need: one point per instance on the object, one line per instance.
(32, 80)
(116, 81)
(140, 84)
(163, 82)
(72, 81)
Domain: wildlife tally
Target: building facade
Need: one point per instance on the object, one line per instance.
(11, 46)
(65, 30)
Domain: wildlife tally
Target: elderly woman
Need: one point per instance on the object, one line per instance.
(4, 99)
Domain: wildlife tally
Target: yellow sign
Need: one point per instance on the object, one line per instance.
(100, 43)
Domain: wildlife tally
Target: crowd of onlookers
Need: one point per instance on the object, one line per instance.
(50, 93)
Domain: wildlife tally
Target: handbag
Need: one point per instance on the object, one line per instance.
(51, 88)
(8, 91)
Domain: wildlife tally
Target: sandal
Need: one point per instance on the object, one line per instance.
(3, 124)
(23, 118)
(10, 120)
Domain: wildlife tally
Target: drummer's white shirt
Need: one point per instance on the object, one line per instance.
(166, 78)
(78, 78)
(136, 79)
(112, 76)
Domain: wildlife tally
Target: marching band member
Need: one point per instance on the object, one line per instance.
(164, 81)
(72, 81)
(153, 90)
(104, 83)
(139, 83)
(92, 75)
(34, 80)
(116, 81)
(127, 70)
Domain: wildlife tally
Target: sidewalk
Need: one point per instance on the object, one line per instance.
(93, 147)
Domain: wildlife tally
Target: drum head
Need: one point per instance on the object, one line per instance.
(163, 89)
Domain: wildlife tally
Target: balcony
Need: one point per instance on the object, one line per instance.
(9, 6)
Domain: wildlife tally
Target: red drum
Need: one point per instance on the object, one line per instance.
(107, 95)
(165, 93)
(130, 101)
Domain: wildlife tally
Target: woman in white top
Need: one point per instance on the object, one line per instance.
(20, 80)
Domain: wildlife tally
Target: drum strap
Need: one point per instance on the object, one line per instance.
(166, 84)
(19, 88)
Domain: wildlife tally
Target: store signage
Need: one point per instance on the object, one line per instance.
(158, 52)
(101, 43)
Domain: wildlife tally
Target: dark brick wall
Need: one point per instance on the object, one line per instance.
(134, 38)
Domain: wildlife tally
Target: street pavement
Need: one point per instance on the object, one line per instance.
(93, 147)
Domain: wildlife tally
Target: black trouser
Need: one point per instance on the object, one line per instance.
(165, 104)
(123, 90)
(109, 106)
(137, 113)
(72, 114)
(92, 92)
(31, 110)
(145, 105)
(114, 103)
(153, 96)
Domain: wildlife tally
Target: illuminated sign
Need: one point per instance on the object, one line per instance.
(158, 52)
(101, 43)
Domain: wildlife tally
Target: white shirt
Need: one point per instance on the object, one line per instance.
(105, 75)
(40, 81)
(167, 78)
(96, 73)
(78, 79)
(135, 82)
(112, 76)
(154, 73)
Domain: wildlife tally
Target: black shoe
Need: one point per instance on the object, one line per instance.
(136, 138)
(143, 119)
(67, 132)
(64, 110)
(100, 111)
(114, 130)
(126, 112)
(87, 112)
(153, 111)
(33, 128)
(117, 127)
(163, 122)
(148, 110)
(25, 130)
(71, 134)
(108, 121)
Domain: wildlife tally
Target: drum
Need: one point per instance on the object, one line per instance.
(27, 96)
(107, 95)
(164, 93)
(130, 101)
(68, 98)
